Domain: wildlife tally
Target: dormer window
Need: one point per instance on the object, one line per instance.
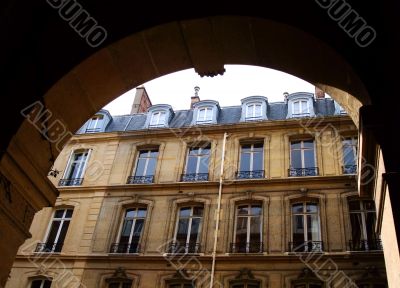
(300, 104)
(158, 116)
(300, 108)
(157, 119)
(205, 112)
(254, 108)
(204, 115)
(339, 110)
(95, 124)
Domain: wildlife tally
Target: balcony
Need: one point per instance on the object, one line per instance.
(125, 248)
(70, 182)
(247, 247)
(194, 177)
(349, 169)
(366, 245)
(140, 179)
(184, 248)
(308, 246)
(255, 174)
(48, 247)
(301, 172)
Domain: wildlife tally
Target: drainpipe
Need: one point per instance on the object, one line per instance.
(221, 175)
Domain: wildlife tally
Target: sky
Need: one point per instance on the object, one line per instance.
(237, 83)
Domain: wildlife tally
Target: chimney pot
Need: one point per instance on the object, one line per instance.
(195, 98)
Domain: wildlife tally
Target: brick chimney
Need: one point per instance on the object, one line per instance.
(319, 94)
(195, 98)
(141, 102)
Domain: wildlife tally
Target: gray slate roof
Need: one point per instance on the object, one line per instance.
(227, 115)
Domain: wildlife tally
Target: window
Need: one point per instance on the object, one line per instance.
(95, 124)
(349, 155)
(308, 279)
(253, 111)
(120, 284)
(248, 229)
(145, 167)
(131, 231)
(205, 115)
(188, 230)
(363, 219)
(244, 284)
(158, 119)
(197, 164)
(41, 283)
(75, 169)
(251, 161)
(302, 158)
(306, 235)
(186, 284)
(58, 230)
(300, 108)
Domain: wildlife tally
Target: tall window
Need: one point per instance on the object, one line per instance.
(349, 155)
(300, 108)
(197, 164)
(75, 170)
(41, 283)
(248, 230)
(58, 230)
(302, 158)
(131, 231)
(363, 220)
(204, 115)
(253, 111)
(95, 124)
(251, 161)
(306, 234)
(188, 230)
(145, 167)
(158, 119)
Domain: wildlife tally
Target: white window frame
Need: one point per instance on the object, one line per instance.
(302, 149)
(199, 158)
(147, 161)
(363, 211)
(248, 216)
(158, 114)
(62, 220)
(304, 215)
(81, 168)
(354, 147)
(98, 121)
(199, 233)
(205, 119)
(253, 116)
(252, 153)
(301, 103)
(121, 226)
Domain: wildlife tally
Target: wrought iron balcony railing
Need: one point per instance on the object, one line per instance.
(349, 169)
(299, 172)
(308, 246)
(184, 248)
(70, 182)
(140, 179)
(127, 248)
(49, 247)
(193, 177)
(365, 245)
(255, 174)
(247, 247)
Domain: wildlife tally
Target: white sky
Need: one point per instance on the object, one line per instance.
(237, 82)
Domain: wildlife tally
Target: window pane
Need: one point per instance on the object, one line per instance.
(183, 229)
(298, 229)
(36, 283)
(127, 285)
(51, 238)
(309, 160)
(295, 158)
(47, 284)
(185, 212)
(354, 205)
(245, 162)
(295, 145)
(197, 211)
(195, 230)
(137, 231)
(142, 212)
(256, 210)
(297, 208)
(255, 229)
(241, 230)
(194, 151)
(311, 207)
(130, 213)
(59, 213)
(257, 112)
(370, 223)
(126, 231)
(356, 227)
(348, 156)
(141, 164)
(243, 210)
(69, 212)
(209, 114)
(258, 146)
(151, 166)
(296, 107)
(202, 113)
(369, 205)
(304, 107)
(113, 285)
(312, 228)
(308, 144)
(250, 110)
(258, 161)
(191, 165)
(203, 166)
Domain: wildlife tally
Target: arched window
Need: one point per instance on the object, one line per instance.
(306, 232)
(363, 220)
(248, 229)
(131, 231)
(188, 230)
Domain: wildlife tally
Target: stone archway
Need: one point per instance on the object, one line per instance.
(203, 44)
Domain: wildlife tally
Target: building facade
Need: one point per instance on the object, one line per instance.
(257, 195)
